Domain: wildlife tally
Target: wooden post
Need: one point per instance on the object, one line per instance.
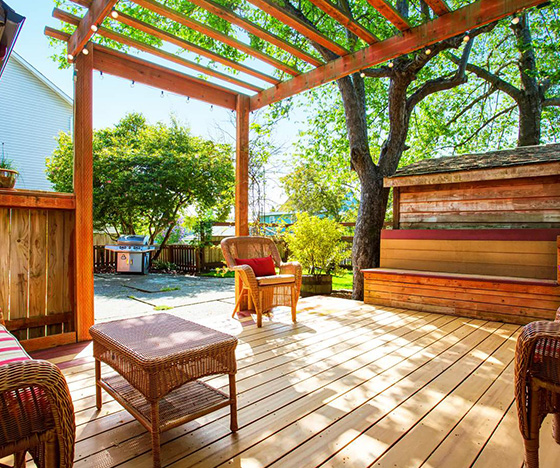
(83, 190)
(558, 260)
(396, 207)
(242, 180)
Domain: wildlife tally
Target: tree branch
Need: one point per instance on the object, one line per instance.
(491, 78)
(465, 109)
(552, 102)
(441, 83)
(380, 72)
(485, 124)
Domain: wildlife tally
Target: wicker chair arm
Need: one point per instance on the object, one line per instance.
(547, 334)
(247, 275)
(290, 268)
(48, 377)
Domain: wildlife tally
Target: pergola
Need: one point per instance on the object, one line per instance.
(88, 56)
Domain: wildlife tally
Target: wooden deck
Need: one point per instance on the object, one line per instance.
(348, 385)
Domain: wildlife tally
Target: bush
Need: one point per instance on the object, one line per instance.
(317, 244)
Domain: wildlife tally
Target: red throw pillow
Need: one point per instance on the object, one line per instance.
(261, 266)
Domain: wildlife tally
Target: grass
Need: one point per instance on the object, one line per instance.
(162, 307)
(343, 281)
(169, 288)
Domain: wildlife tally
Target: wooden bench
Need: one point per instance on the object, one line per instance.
(494, 274)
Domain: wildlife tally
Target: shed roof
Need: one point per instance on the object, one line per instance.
(494, 159)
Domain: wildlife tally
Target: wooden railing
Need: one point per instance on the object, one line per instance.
(37, 266)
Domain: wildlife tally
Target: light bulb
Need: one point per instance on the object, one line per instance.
(428, 51)
(162, 95)
(390, 64)
(70, 57)
(467, 38)
(85, 51)
(94, 28)
(362, 74)
(115, 14)
(101, 75)
(132, 84)
(211, 107)
(515, 20)
(188, 99)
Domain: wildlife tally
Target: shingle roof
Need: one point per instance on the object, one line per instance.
(467, 162)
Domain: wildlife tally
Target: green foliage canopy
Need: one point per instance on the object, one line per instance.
(145, 175)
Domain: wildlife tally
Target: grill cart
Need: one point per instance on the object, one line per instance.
(133, 254)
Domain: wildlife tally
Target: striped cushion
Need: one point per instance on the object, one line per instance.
(10, 349)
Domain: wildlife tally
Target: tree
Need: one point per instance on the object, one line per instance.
(144, 176)
(318, 185)
(530, 79)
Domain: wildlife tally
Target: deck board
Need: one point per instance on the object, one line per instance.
(348, 385)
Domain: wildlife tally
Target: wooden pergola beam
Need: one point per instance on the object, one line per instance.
(125, 40)
(300, 26)
(452, 24)
(97, 12)
(439, 7)
(116, 63)
(258, 31)
(390, 12)
(334, 12)
(211, 32)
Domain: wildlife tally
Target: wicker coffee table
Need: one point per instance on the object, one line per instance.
(158, 359)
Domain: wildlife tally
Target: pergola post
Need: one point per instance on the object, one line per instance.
(83, 191)
(241, 178)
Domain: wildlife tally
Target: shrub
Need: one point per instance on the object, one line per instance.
(317, 244)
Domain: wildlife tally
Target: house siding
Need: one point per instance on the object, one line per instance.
(31, 116)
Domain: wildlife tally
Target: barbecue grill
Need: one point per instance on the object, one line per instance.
(133, 254)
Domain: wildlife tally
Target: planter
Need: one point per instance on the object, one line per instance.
(8, 178)
(312, 285)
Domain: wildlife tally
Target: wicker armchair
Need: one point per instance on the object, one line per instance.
(537, 383)
(263, 293)
(36, 414)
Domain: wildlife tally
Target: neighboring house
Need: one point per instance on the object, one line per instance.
(32, 113)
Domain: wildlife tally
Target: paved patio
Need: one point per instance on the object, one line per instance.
(196, 298)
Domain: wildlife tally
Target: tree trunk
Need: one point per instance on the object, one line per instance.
(530, 115)
(366, 247)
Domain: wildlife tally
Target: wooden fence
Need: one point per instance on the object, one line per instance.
(37, 266)
(186, 258)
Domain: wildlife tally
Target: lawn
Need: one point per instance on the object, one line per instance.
(343, 281)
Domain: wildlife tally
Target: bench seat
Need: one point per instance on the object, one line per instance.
(500, 298)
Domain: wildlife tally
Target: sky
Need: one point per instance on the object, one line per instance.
(114, 97)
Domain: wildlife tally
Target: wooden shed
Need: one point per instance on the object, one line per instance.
(474, 235)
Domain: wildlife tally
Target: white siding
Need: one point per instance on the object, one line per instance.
(31, 116)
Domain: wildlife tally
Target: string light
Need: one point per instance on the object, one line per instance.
(428, 51)
(94, 28)
(362, 74)
(467, 38)
(515, 20)
(390, 64)
(212, 108)
(70, 57)
(100, 75)
(114, 14)
(132, 83)
(162, 95)
(188, 99)
(85, 51)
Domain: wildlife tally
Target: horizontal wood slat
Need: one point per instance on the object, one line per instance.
(39, 321)
(463, 296)
(16, 198)
(525, 259)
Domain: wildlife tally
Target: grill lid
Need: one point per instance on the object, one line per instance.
(133, 240)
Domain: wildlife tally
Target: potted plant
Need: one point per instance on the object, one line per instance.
(317, 244)
(8, 174)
